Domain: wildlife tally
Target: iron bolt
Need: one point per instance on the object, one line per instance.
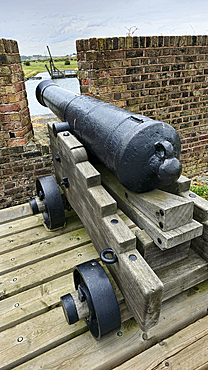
(57, 157)
(65, 182)
(41, 195)
(81, 294)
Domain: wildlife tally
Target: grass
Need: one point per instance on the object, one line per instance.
(39, 66)
(201, 190)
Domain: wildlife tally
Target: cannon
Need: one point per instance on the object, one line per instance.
(143, 153)
(136, 155)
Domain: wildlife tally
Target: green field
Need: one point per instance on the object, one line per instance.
(39, 66)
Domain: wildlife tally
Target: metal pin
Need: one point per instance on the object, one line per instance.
(20, 339)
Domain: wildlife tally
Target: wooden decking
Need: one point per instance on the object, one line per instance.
(36, 270)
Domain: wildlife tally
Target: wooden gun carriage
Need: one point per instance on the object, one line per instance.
(140, 260)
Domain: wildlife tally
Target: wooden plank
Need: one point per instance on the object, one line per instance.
(16, 212)
(32, 302)
(184, 350)
(36, 336)
(47, 248)
(200, 205)
(168, 211)
(38, 234)
(205, 230)
(200, 246)
(183, 275)
(14, 227)
(163, 239)
(40, 272)
(109, 231)
(181, 185)
(86, 353)
(157, 258)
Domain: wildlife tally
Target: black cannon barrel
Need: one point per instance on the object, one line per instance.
(143, 153)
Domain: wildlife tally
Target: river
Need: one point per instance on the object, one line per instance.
(36, 108)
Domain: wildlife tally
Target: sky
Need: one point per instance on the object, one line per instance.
(59, 23)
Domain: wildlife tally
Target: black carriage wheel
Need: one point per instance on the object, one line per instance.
(48, 191)
(104, 311)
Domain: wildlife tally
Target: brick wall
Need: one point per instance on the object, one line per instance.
(22, 159)
(165, 78)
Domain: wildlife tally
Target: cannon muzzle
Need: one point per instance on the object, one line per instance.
(143, 153)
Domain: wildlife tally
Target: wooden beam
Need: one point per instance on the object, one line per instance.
(163, 239)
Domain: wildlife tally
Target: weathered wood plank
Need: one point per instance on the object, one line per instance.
(181, 185)
(101, 201)
(183, 275)
(40, 272)
(200, 205)
(38, 234)
(32, 302)
(14, 227)
(200, 246)
(163, 239)
(167, 211)
(47, 248)
(40, 334)
(157, 258)
(89, 174)
(184, 350)
(16, 212)
(86, 353)
(205, 230)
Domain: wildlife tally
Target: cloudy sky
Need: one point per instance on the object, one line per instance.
(59, 23)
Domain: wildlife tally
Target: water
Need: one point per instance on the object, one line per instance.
(36, 108)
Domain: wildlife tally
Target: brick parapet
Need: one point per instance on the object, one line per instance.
(19, 168)
(15, 122)
(163, 77)
(22, 158)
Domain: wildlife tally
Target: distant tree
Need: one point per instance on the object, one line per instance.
(27, 63)
(67, 62)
